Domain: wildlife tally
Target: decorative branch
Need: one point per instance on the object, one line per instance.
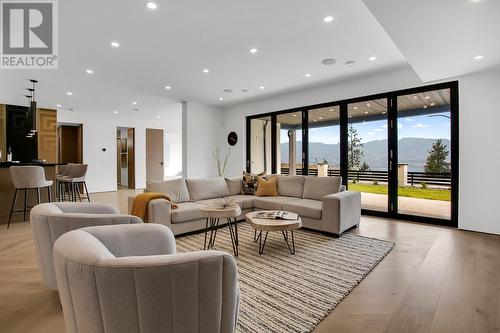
(221, 166)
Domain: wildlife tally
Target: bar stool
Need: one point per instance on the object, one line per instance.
(65, 171)
(72, 182)
(27, 178)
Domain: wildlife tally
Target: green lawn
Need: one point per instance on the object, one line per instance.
(408, 191)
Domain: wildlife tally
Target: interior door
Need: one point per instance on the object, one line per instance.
(154, 154)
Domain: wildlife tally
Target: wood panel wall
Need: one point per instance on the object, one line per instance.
(47, 135)
(3, 132)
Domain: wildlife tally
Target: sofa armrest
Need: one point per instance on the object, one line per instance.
(158, 210)
(341, 211)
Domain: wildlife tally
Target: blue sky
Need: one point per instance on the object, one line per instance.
(411, 127)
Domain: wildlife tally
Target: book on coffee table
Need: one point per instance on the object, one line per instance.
(276, 215)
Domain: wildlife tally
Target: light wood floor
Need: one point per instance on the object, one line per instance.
(435, 280)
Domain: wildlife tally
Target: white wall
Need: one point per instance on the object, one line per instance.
(479, 117)
(202, 134)
(479, 157)
(99, 131)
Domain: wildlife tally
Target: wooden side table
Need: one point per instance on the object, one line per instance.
(213, 216)
(267, 225)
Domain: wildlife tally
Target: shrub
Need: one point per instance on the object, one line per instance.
(375, 181)
(424, 185)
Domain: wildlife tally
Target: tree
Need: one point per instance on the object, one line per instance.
(436, 160)
(364, 167)
(354, 148)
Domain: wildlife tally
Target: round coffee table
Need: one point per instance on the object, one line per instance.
(267, 225)
(213, 216)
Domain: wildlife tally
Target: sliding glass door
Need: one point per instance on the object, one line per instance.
(289, 145)
(424, 154)
(367, 148)
(399, 149)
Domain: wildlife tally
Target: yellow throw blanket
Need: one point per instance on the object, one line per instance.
(141, 201)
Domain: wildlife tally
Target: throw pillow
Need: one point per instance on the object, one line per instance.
(249, 185)
(267, 188)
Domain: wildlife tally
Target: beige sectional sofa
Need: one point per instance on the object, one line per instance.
(322, 202)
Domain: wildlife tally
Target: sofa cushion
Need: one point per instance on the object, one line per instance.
(176, 189)
(271, 203)
(187, 211)
(234, 185)
(316, 188)
(291, 186)
(249, 183)
(200, 189)
(245, 201)
(305, 207)
(266, 187)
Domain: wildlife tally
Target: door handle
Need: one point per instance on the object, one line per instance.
(161, 163)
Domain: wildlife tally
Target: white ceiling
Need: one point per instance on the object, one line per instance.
(440, 38)
(171, 46)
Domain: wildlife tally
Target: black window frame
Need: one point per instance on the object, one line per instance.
(392, 138)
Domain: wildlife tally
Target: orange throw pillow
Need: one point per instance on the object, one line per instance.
(267, 188)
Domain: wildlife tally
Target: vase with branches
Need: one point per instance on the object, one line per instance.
(221, 162)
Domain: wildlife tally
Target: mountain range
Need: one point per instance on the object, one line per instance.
(412, 151)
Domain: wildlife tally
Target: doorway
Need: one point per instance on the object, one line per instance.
(154, 154)
(70, 143)
(125, 157)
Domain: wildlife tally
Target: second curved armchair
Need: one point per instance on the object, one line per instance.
(128, 279)
(51, 220)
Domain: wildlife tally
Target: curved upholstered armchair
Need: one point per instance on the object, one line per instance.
(51, 220)
(128, 278)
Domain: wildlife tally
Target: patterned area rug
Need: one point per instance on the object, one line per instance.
(281, 292)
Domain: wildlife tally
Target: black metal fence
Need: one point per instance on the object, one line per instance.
(414, 178)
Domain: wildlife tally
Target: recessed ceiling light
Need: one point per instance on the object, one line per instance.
(228, 91)
(58, 105)
(221, 98)
(261, 87)
(350, 63)
(308, 75)
(425, 106)
(134, 103)
(69, 93)
(331, 110)
(168, 87)
(115, 112)
(151, 5)
(366, 112)
(245, 90)
(115, 44)
(427, 97)
(315, 120)
(368, 104)
(432, 104)
(320, 118)
(384, 112)
(89, 71)
(415, 97)
(206, 70)
(478, 57)
(372, 58)
(294, 115)
(328, 19)
(253, 50)
(328, 61)
(349, 116)
(355, 108)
